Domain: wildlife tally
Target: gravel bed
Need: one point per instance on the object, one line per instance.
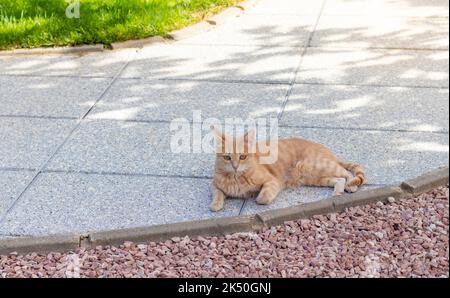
(400, 238)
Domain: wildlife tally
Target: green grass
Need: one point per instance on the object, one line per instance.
(37, 23)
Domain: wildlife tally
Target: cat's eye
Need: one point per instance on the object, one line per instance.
(242, 157)
(227, 157)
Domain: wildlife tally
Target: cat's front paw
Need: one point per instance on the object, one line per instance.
(263, 200)
(216, 206)
(351, 188)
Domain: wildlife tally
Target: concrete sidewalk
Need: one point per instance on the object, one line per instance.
(85, 140)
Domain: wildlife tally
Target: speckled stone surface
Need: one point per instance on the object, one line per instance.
(59, 203)
(58, 97)
(105, 64)
(375, 67)
(128, 148)
(257, 29)
(392, 32)
(29, 143)
(12, 183)
(387, 8)
(227, 63)
(287, 7)
(382, 108)
(138, 99)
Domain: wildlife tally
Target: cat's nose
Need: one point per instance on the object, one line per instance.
(235, 167)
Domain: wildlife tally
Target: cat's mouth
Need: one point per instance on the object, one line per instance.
(237, 170)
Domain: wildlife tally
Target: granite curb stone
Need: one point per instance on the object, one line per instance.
(427, 181)
(40, 244)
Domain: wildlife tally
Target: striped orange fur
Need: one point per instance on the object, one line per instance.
(299, 162)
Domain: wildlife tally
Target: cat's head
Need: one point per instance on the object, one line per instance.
(235, 154)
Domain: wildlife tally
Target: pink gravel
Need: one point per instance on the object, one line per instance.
(406, 238)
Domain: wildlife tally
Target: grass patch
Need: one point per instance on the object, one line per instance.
(37, 23)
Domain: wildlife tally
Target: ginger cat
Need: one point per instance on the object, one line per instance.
(300, 162)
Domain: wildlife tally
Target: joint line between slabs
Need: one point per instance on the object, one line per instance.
(243, 206)
(67, 76)
(14, 169)
(38, 117)
(302, 55)
(105, 173)
(77, 125)
(227, 81)
(163, 121)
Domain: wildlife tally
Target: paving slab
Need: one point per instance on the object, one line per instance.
(287, 7)
(375, 67)
(71, 203)
(405, 8)
(387, 157)
(128, 147)
(291, 197)
(366, 107)
(222, 63)
(276, 30)
(28, 143)
(104, 64)
(141, 99)
(12, 183)
(44, 97)
(392, 32)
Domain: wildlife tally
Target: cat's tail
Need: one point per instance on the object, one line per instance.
(358, 172)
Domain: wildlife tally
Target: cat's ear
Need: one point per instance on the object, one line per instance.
(218, 133)
(250, 137)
